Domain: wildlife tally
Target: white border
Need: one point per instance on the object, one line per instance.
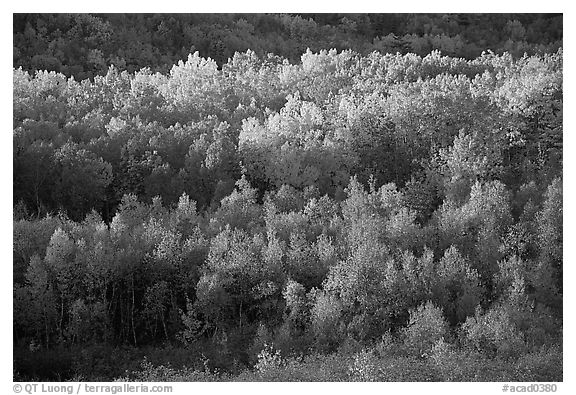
(295, 6)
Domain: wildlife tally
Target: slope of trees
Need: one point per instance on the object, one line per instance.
(288, 215)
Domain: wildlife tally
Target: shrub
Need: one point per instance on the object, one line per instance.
(261, 338)
(268, 359)
(350, 346)
(453, 364)
(165, 373)
(405, 368)
(542, 365)
(364, 367)
(314, 367)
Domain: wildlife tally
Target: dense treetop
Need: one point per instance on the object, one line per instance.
(80, 145)
(85, 45)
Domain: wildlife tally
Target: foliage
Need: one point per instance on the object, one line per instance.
(84, 45)
(290, 212)
(364, 367)
(426, 326)
(494, 333)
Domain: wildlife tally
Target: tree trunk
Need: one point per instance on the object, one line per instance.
(164, 326)
(132, 314)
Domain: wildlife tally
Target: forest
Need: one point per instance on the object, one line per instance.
(311, 197)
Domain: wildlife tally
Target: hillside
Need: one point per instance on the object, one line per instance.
(337, 215)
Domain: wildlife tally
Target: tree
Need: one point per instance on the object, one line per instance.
(549, 221)
(236, 288)
(156, 299)
(239, 209)
(34, 175)
(326, 314)
(476, 227)
(425, 327)
(65, 271)
(457, 287)
(36, 310)
(83, 179)
(493, 333)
